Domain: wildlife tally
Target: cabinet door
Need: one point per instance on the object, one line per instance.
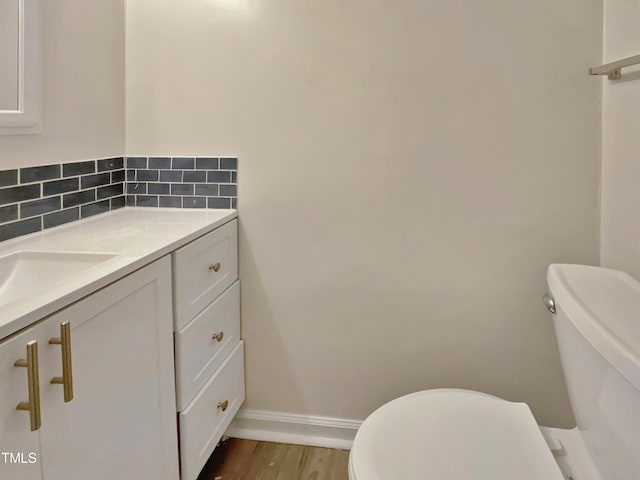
(120, 424)
(19, 445)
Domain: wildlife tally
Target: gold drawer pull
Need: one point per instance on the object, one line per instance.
(215, 267)
(218, 336)
(223, 405)
(66, 380)
(33, 405)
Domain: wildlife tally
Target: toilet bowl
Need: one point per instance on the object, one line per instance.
(450, 434)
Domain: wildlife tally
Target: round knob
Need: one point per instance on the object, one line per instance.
(218, 336)
(215, 267)
(223, 405)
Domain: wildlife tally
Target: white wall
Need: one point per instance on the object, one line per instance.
(84, 93)
(407, 171)
(621, 141)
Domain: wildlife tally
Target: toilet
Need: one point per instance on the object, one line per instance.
(450, 434)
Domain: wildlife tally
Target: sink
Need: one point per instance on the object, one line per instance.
(31, 273)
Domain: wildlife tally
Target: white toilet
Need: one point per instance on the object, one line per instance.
(465, 435)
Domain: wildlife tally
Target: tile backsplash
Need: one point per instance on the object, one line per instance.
(183, 182)
(37, 198)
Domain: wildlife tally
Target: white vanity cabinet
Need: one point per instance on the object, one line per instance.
(108, 384)
(120, 422)
(209, 352)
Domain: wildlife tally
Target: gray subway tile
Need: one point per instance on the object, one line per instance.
(8, 177)
(117, 176)
(182, 189)
(171, 175)
(117, 202)
(38, 207)
(94, 208)
(218, 177)
(110, 164)
(158, 188)
(207, 163)
(17, 229)
(38, 174)
(110, 191)
(165, 188)
(207, 190)
(194, 176)
(146, 201)
(60, 186)
(194, 202)
(136, 188)
(217, 202)
(96, 180)
(228, 164)
(8, 213)
(78, 198)
(159, 162)
(179, 163)
(61, 217)
(228, 190)
(19, 194)
(136, 162)
(175, 202)
(78, 168)
(147, 175)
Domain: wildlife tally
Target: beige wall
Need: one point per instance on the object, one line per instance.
(621, 141)
(407, 171)
(84, 93)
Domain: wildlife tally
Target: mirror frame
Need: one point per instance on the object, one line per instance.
(28, 116)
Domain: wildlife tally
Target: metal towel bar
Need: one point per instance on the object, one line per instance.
(613, 69)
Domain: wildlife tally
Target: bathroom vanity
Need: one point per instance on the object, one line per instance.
(87, 358)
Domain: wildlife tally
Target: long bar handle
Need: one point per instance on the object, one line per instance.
(67, 374)
(33, 405)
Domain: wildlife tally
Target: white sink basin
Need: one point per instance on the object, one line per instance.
(31, 273)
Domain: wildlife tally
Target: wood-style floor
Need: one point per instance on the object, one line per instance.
(238, 459)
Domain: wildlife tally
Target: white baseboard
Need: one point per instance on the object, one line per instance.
(281, 427)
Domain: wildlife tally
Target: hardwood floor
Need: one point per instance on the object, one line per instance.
(250, 460)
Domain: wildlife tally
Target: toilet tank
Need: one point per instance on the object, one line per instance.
(597, 325)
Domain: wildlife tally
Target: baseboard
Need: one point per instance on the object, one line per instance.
(281, 427)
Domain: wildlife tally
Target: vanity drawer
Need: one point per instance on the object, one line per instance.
(204, 343)
(202, 270)
(203, 422)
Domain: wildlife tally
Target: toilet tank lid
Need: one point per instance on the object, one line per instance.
(604, 306)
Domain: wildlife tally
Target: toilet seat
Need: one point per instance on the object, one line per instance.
(451, 435)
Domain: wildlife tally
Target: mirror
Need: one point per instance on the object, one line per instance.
(9, 21)
(20, 68)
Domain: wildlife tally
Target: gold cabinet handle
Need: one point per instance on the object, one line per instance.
(33, 405)
(218, 336)
(223, 405)
(66, 380)
(215, 267)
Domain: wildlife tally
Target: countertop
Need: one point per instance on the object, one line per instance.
(137, 237)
